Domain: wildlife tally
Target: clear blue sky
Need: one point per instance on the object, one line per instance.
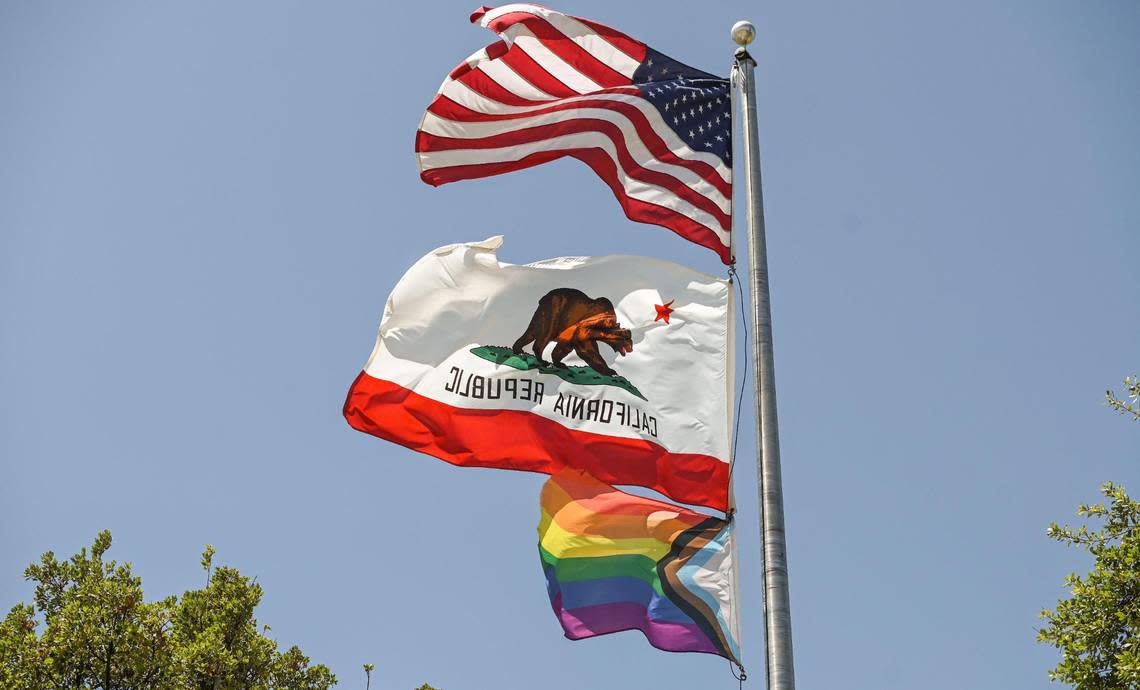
(203, 206)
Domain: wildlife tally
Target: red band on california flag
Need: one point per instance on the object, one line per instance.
(516, 440)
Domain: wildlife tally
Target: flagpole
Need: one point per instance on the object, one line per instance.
(777, 606)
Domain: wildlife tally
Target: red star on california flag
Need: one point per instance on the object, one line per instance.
(663, 311)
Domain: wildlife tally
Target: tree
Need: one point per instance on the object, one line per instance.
(99, 633)
(1097, 629)
(1131, 406)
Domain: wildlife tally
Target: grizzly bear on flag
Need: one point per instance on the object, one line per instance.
(575, 322)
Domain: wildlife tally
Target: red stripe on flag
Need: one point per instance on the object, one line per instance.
(449, 109)
(517, 440)
(479, 12)
(672, 185)
(630, 46)
(558, 43)
(479, 82)
(524, 65)
(635, 209)
(493, 51)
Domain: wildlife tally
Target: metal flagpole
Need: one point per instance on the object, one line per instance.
(777, 607)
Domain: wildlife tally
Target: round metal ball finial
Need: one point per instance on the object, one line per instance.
(743, 32)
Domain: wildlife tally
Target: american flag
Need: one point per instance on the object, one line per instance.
(657, 131)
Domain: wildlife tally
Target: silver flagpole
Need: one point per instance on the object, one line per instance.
(777, 607)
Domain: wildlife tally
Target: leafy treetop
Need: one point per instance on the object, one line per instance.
(1097, 629)
(99, 633)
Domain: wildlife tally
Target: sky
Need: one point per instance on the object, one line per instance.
(203, 206)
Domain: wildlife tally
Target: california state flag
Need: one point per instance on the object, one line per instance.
(617, 365)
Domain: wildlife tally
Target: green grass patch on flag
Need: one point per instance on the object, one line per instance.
(583, 376)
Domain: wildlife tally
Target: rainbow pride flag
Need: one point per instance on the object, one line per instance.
(617, 562)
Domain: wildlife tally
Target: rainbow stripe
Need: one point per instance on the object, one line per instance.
(617, 562)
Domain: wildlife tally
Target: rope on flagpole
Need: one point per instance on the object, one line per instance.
(739, 678)
(732, 278)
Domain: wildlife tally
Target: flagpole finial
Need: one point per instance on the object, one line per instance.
(743, 32)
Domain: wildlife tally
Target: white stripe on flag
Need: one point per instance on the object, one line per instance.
(550, 61)
(576, 31)
(502, 74)
(434, 124)
(634, 188)
(468, 97)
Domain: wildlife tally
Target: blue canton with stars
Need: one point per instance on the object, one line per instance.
(695, 104)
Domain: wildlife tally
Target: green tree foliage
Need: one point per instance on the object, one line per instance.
(99, 633)
(1097, 629)
(1131, 406)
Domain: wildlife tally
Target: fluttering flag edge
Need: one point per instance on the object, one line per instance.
(605, 166)
(584, 540)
